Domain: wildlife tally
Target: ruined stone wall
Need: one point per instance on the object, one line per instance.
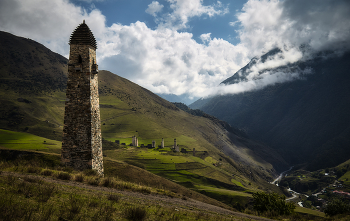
(82, 142)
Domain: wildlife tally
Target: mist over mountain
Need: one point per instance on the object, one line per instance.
(304, 117)
(184, 98)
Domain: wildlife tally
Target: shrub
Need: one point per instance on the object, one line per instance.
(25, 188)
(113, 197)
(10, 179)
(79, 177)
(107, 181)
(135, 213)
(272, 202)
(45, 192)
(75, 204)
(94, 181)
(94, 202)
(46, 172)
(32, 169)
(64, 176)
(71, 208)
(145, 190)
(12, 210)
(68, 169)
(337, 206)
(47, 212)
(105, 212)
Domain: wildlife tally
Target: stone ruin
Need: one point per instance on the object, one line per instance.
(153, 144)
(82, 140)
(162, 144)
(176, 147)
(135, 141)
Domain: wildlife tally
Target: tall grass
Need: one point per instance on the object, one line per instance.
(135, 213)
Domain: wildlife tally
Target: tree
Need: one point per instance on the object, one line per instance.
(272, 202)
(337, 206)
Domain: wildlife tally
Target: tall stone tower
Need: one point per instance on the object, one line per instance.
(82, 141)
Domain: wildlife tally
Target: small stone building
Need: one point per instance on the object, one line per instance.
(82, 141)
(162, 144)
(135, 141)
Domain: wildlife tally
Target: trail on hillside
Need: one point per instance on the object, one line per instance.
(165, 201)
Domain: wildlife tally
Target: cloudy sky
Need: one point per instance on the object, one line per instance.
(186, 47)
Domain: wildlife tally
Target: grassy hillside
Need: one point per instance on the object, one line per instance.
(33, 186)
(42, 190)
(223, 159)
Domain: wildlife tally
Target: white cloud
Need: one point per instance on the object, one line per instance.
(205, 37)
(48, 22)
(154, 8)
(165, 60)
(320, 24)
(233, 23)
(183, 10)
(89, 1)
(266, 79)
(287, 25)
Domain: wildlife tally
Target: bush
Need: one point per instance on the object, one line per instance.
(32, 169)
(45, 192)
(272, 202)
(64, 176)
(113, 197)
(94, 181)
(105, 212)
(107, 181)
(46, 172)
(79, 177)
(337, 206)
(135, 213)
(10, 179)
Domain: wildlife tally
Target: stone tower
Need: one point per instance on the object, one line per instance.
(82, 141)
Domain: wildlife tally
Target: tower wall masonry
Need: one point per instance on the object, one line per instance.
(82, 140)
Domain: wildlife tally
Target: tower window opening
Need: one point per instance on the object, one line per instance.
(80, 60)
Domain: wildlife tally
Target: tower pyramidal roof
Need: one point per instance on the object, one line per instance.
(82, 35)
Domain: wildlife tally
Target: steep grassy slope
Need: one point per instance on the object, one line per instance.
(306, 120)
(223, 159)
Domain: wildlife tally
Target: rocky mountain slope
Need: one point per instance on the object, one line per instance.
(306, 120)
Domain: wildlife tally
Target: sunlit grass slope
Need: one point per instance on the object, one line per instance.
(26, 141)
(129, 110)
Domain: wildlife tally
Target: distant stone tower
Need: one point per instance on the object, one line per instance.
(82, 141)
(135, 141)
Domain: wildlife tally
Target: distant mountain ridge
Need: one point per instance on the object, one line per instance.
(306, 120)
(127, 109)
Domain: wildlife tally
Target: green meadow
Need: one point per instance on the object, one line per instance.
(26, 141)
(304, 210)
